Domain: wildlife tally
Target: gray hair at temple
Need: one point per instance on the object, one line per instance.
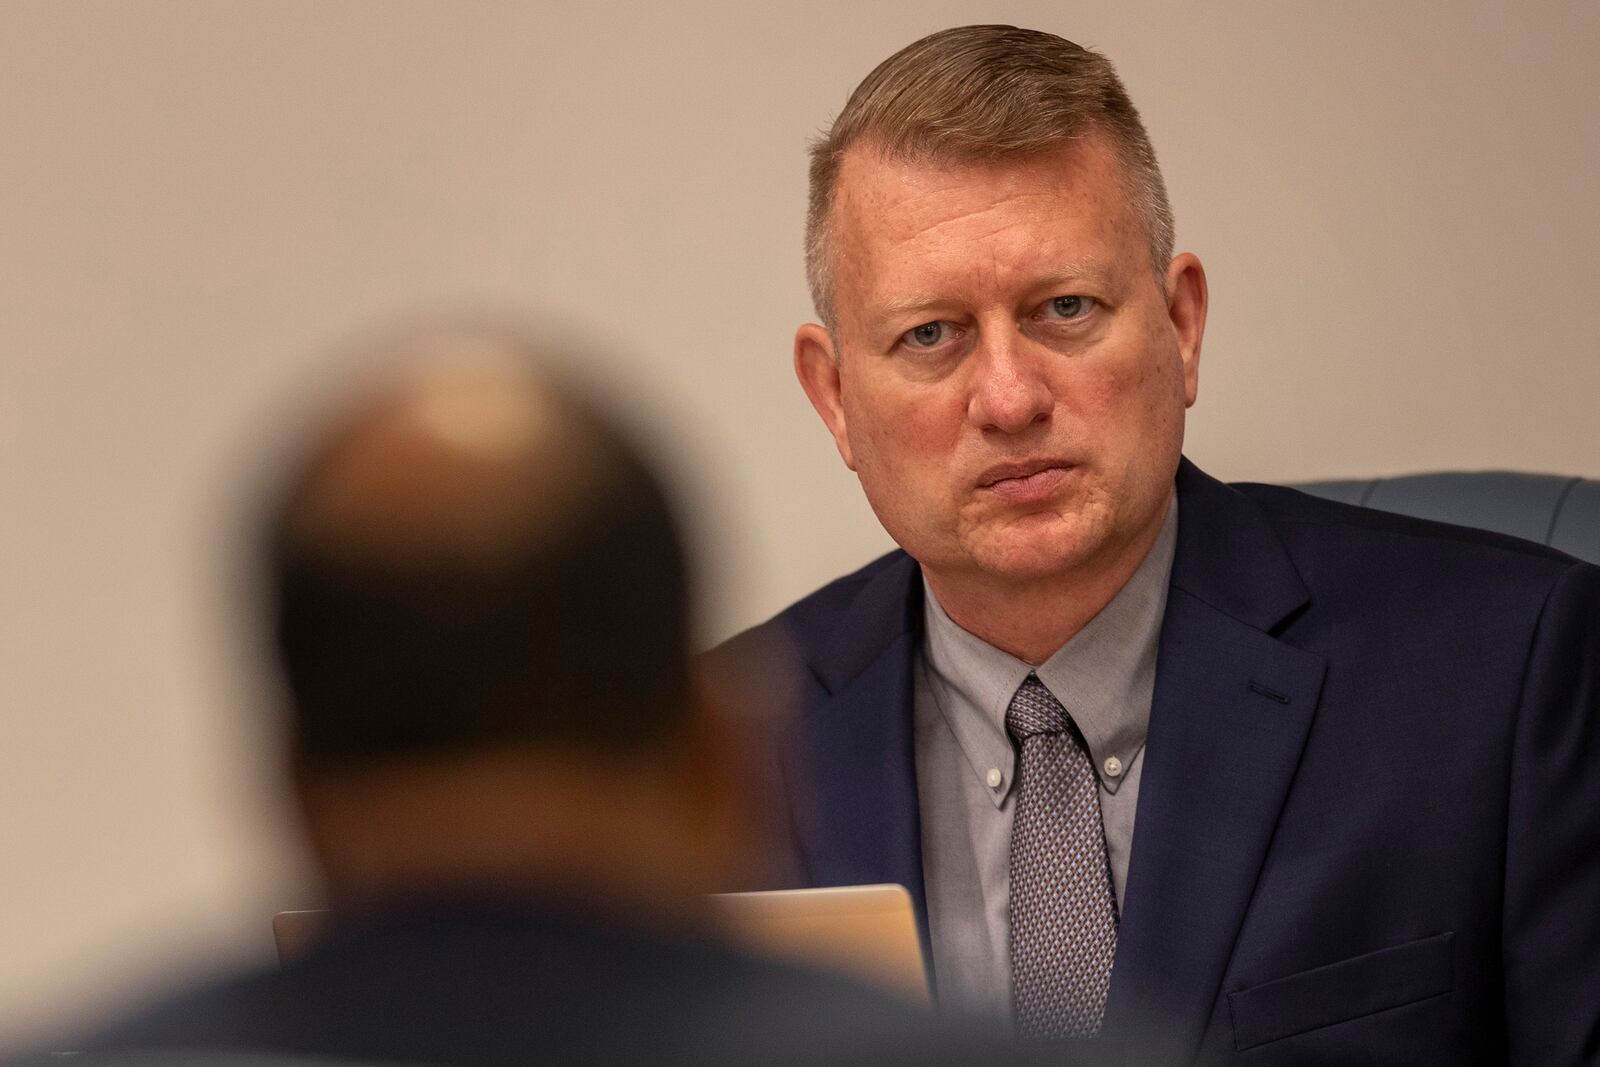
(981, 94)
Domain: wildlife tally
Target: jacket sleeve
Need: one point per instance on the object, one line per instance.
(1551, 923)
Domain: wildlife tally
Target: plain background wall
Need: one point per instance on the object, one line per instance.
(1396, 204)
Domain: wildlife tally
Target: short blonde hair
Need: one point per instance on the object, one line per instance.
(979, 94)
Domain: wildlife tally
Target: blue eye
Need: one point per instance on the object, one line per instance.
(927, 335)
(1070, 307)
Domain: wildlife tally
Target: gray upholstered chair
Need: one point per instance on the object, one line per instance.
(1561, 512)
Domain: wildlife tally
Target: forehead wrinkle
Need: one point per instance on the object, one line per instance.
(1000, 201)
(1039, 209)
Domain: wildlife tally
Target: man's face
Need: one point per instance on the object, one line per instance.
(1007, 376)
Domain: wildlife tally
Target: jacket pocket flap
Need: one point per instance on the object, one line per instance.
(1341, 991)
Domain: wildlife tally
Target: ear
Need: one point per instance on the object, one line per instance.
(738, 699)
(816, 364)
(1186, 308)
(316, 808)
(718, 778)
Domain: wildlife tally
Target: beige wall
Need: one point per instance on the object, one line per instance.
(1396, 204)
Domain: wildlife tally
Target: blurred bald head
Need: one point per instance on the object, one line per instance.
(475, 558)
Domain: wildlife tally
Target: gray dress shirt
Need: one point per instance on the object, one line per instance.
(965, 764)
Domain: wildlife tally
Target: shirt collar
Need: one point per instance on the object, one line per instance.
(1102, 676)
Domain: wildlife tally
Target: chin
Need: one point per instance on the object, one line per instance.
(1024, 555)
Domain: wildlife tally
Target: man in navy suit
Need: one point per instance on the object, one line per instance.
(1341, 769)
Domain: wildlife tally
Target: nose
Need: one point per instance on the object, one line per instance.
(1009, 391)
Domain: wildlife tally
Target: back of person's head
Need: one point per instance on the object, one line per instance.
(477, 558)
(480, 604)
(979, 95)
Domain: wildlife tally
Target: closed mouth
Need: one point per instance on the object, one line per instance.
(1006, 472)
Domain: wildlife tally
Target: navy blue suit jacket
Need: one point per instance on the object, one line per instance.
(1369, 819)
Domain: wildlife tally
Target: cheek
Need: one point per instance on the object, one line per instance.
(899, 434)
(1129, 410)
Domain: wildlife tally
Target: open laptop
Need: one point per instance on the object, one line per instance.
(866, 932)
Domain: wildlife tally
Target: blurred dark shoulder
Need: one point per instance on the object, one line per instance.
(497, 985)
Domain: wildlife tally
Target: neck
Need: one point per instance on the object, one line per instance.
(1031, 618)
(623, 839)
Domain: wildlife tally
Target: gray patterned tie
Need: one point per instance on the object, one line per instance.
(1063, 909)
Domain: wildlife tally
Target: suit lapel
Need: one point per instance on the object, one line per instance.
(853, 753)
(1229, 717)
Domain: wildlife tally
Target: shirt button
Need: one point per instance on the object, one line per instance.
(994, 778)
(1113, 766)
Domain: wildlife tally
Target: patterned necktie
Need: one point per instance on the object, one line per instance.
(1063, 909)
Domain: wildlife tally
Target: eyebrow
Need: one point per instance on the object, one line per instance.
(905, 305)
(1062, 277)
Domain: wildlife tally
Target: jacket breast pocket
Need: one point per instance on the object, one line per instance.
(1339, 992)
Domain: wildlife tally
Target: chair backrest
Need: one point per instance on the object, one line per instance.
(1551, 509)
